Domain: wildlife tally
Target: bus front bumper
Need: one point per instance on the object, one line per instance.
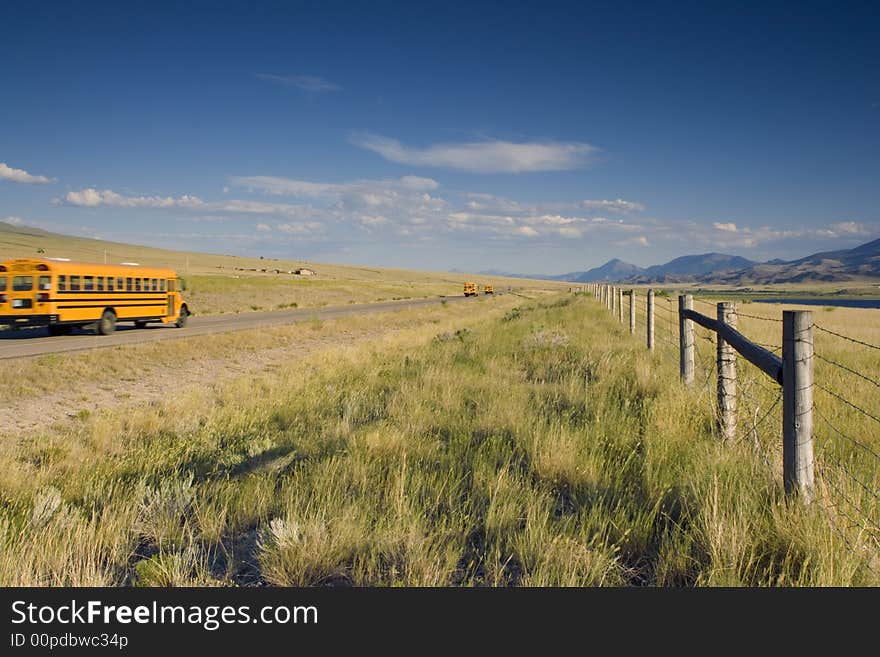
(28, 320)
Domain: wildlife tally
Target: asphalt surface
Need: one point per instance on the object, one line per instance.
(37, 341)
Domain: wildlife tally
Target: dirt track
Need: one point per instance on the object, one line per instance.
(36, 342)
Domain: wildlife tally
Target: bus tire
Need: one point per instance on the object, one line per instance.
(181, 319)
(107, 323)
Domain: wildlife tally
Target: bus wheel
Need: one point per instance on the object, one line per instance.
(181, 320)
(139, 324)
(107, 323)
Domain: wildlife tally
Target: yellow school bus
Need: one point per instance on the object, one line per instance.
(60, 294)
(470, 289)
(488, 289)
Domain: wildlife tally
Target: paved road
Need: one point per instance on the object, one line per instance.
(35, 342)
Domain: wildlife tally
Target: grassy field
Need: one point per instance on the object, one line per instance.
(536, 444)
(229, 284)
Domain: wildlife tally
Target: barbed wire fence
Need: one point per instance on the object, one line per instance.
(809, 425)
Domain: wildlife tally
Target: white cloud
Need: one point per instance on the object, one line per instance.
(308, 83)
(300, 228)
(415, 208)
(618, 205)
(555, 220)
(305, 188)
(483, 157)
(570, 231)
(91, 198)
(15, 221)
(729, 235)
(489, 202)
(21, 176)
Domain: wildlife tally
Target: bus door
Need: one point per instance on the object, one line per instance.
(170, 312)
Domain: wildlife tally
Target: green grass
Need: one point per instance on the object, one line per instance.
(538, 445)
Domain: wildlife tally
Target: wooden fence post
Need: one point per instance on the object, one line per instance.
(620, 305)
(632, 312)
(726, 355)
(650, 321)
(797, 402)
(685, 340)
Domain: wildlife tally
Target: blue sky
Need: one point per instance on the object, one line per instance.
(538, 138)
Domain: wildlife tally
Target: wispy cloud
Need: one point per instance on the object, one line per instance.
(727, 235)
(22, 176)
(309, 83)
(416, 208)
(92, 198)
(300, 188)
(482, 157)
(618, 205)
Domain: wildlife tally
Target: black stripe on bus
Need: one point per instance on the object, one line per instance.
(51, 300)
(111, 291)
(129, 305)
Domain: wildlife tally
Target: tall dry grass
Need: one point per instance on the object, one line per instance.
(541, 447)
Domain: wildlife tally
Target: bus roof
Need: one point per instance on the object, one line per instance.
(61, 266)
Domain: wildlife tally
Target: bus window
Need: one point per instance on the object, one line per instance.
(62, 282)
(74, 283)
(120, 283)
(2, 284)
(110, 280)
(128, 285)
(161, 285)
(171, 285)
(137, 284)
(45, 283)
(23, 283)
(99, 283)
(88, 283)
(155, 285)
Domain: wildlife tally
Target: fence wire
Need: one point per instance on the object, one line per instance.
(847, 466)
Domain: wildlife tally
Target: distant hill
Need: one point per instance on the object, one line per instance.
(613, 270)
(862, 261)
(693, 267)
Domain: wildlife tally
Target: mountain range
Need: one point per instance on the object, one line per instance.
(862, 261)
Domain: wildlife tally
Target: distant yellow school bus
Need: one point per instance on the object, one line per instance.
(62, 294)
(488, 289)
(470, 289)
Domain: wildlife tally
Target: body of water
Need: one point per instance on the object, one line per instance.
(843, 303)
